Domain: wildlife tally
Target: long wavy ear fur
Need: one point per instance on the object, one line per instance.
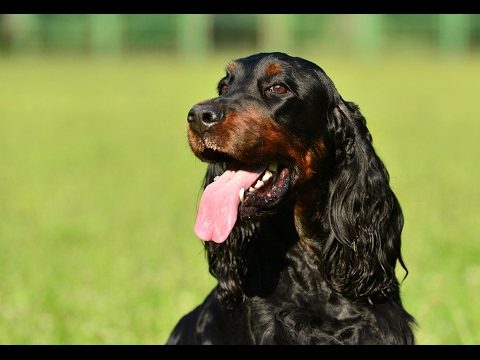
(364, 216)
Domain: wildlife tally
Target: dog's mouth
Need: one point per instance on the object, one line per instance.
(244, 192)
(265, 193)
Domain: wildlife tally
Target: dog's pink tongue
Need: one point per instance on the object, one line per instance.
(218, 208)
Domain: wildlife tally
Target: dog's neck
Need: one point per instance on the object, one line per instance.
(254, 256)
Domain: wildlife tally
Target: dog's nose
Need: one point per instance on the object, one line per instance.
(203, 116)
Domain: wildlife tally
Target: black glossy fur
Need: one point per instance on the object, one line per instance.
(319, 267)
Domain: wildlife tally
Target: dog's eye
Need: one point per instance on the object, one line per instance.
(278, 89)
(222, 89)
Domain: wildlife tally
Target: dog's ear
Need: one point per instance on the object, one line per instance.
(364, 216)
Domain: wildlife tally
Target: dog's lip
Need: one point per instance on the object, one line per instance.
(212, 156)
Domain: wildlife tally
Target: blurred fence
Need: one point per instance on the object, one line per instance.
(197, 34)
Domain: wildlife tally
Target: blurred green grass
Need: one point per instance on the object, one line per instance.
(98, 192)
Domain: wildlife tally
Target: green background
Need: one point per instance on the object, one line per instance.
(99, 189)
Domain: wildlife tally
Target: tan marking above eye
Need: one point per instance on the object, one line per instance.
(273, 69)
(223, 89)
(231, 65)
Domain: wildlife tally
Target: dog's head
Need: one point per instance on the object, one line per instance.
(279, 133)
(266, 131)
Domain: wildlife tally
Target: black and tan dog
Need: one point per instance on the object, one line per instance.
(301, 228)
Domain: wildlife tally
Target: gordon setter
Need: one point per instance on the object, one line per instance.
(300, 226)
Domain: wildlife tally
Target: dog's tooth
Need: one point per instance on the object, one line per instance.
(251, 189)
(241, 194)
(259, 184)
(267, 175)
(273, 166)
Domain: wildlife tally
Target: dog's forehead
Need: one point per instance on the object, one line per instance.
(262, 64)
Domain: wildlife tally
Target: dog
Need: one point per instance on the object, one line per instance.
(301, 228)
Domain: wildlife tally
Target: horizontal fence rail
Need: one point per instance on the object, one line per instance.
(197, 34)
